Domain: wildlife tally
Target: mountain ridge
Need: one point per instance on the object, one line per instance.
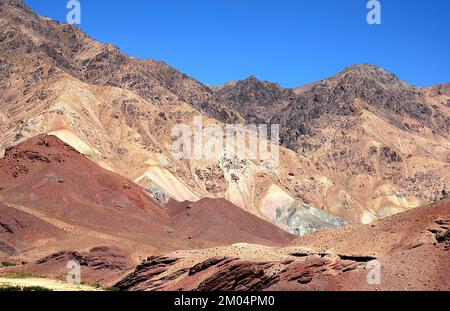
(360, 145)
(44, 184)
(89, 173)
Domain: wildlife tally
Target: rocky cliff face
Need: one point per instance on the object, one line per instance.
(349, 93)
(67, 48)
(364, 125)
(340, 259)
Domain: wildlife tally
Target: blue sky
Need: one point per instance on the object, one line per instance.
(291, 42)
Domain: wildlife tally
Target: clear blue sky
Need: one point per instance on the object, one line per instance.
(291, 42)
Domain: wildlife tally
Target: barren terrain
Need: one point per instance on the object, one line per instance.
(87, 173)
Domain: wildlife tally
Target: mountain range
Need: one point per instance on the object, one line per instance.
(87, 171)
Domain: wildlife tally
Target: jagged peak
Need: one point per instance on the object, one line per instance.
(252, 85)
(364, 67)
(254, 81)
(252, 78)
(368, 71)
(18, 4)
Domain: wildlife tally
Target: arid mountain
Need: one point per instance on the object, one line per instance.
(69, 49)
(53, 198)
(257, 101)
(409, 249)
(357, 88)
(360, 146)
(385, 141)
(88, 173)
(126, 126)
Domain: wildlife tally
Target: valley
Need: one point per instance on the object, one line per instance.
(88, 173)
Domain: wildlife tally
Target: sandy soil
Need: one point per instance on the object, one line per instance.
(45, 283)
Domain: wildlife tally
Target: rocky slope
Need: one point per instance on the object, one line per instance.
(411, 250)
(363, 144)
(384, 141)
(53, 198)
(120, 112)
(407, 251)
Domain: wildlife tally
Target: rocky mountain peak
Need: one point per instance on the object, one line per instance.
(14, 4)
(366, 73)
(252, 78)
(366, 68)
(377, 89)
(254, 99)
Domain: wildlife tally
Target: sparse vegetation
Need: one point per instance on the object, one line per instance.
(11, 288)
(17, 275)
(91, 284)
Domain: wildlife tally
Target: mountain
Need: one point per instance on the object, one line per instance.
(255, 100)
(88, 173)
(337, 259)
(357, 88)
(367, 88)
(358, 146)
(69, 49)
(384, 141)
(53, 198)
(120, 111)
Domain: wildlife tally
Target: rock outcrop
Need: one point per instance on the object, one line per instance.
(387, 255)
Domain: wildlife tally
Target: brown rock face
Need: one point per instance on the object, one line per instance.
(358, 147)
(143, 277)
(99, 265)
(119, 111)
(51, 192)
(243, 276)
(337, 259)
(19, 230)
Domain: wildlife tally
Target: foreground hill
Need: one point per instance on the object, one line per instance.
(411, 249)
(53, 198)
